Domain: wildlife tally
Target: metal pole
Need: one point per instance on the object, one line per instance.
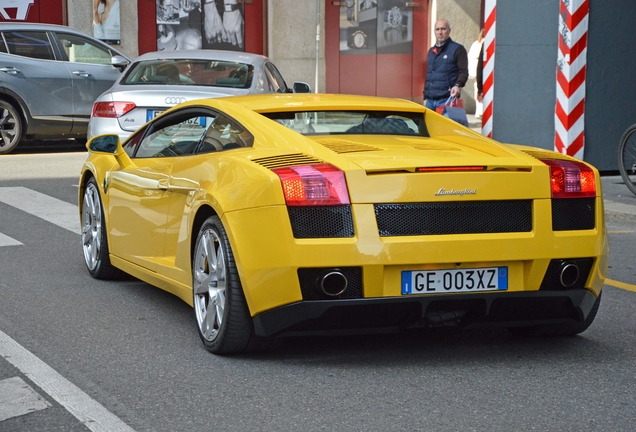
(317, 44)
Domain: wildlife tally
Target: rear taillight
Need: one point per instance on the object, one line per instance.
(112, 109)
(313, 185)
(571, 179)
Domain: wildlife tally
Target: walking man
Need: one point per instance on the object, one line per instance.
(446, 67)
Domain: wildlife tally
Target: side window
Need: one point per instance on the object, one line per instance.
(33, 44)
(225, 134)
(277, 83)
(175, 136)
(82, 50)
(131, 146)
(3, 46)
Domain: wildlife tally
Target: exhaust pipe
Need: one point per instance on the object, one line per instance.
(332, 284)
(569, 274)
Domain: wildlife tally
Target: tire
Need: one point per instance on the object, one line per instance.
(562, 329)
(223, 319)
(94, 240)
(10, 127)
(627, 158)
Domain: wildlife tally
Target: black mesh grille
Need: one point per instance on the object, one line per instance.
(308, 278)
(573, 214)
(321, 221)
(471, 217)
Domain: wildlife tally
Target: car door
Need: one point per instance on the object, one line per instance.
(194, 175)
(89, 64)
(140, 195)
(29, 70)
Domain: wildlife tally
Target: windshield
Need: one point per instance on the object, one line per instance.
(211, 73)
(352, 122)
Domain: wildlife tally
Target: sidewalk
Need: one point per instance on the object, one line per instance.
(474, 123)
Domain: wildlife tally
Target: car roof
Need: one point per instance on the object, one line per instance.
(19, 25)
(320, 101)
(206, 54)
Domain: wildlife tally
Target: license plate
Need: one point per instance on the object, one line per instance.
(456, 280)
(150, 114)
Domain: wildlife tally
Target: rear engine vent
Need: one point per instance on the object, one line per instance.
(341, 146)
(538, 154)
(286, 160)
(432, 146)
(321, 221)
(471, 217)
(573, 214)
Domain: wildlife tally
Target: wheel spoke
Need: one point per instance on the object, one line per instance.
(220, 306)
(210, 320)
(6, 137)
(201, 282)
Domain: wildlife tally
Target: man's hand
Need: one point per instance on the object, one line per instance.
(233, 24)
(213, 25)
(455, 91)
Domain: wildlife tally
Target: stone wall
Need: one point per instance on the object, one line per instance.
(292, 40)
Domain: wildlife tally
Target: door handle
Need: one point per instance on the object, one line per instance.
(163, 185)
(10, 70)
(412, 4)
(82, 74)
(166, 185)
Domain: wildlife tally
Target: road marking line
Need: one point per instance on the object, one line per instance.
(43, 206)
(8, 241)
(620, 232)
(18, 398)
(621, 285)
(88, 411)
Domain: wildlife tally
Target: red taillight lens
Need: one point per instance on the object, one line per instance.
(112, 109)
(313, 185)
(571, 179)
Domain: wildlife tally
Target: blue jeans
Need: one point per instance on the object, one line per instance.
(434, 103)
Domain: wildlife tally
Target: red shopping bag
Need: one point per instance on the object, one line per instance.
(453, 101)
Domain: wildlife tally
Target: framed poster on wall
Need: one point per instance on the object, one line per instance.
(196, 24)
(106, 21)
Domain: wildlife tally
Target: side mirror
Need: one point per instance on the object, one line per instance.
(120, 62)
(103, 144)
(301, 87)
(109, 145)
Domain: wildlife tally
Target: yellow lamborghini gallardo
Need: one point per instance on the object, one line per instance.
(289, 213)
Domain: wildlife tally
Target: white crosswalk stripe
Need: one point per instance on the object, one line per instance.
(5, 240)
(43, 206)
(17, 397)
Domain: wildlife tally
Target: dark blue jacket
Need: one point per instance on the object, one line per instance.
(446, 66)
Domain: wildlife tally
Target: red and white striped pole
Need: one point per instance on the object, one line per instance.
(489, 65)
(569, 115)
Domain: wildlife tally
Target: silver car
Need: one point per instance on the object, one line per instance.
(160, 80)
(50, 76)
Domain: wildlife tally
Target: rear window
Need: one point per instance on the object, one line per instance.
(352, 122)
(210, 73)
(29, 44)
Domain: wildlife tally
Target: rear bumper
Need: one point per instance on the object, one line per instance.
(510, 309)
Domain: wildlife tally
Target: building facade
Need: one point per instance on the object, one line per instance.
(378, 47)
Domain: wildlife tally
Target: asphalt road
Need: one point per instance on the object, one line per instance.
(82, 354)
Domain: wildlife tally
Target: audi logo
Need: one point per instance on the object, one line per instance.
(174, 100)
